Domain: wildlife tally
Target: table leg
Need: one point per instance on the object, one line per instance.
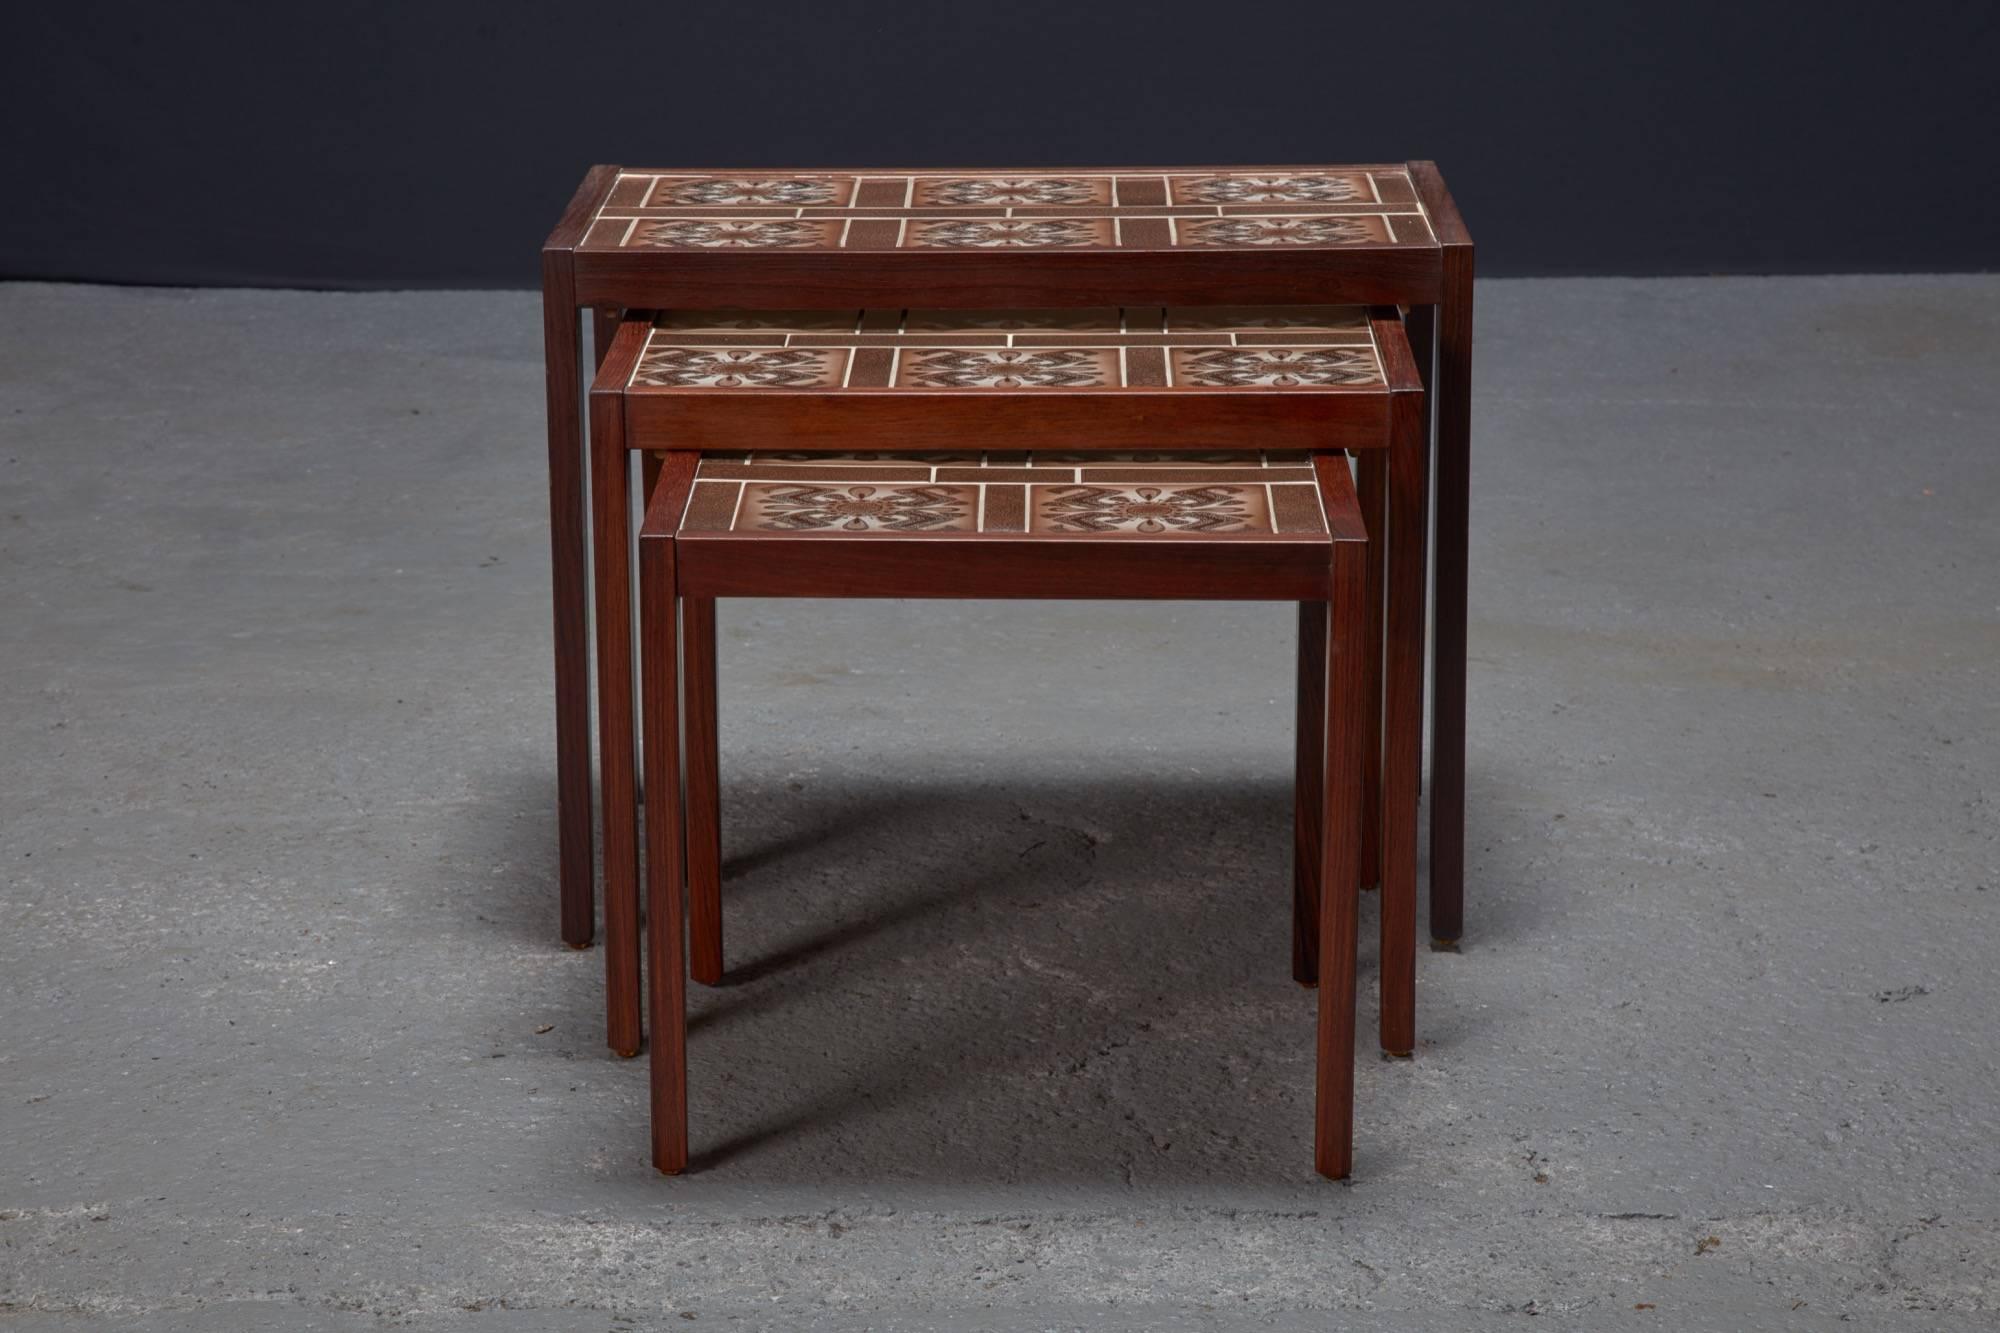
(1403, 723)
(1308, 792)
(1372, 491)
(704, 794)
(665, 900)
(1454, 417)
(1345, 711)
(611, 504)
(564, 387)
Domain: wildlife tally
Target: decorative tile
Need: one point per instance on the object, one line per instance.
(856, 509)
(1281, 231)
(1251, 207)
(1274, 367)
(973, 191)
(734, 233)
(1008, 368)
(1149, 510)
(739, 368)
(719, 191)
(1267, 188)
(1025, 233)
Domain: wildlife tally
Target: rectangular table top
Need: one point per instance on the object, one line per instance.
(1212, 348)
(648, 238)
(1029, 494)
(1232, 208)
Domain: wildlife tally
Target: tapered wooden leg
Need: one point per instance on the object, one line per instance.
(1346, 710)
(610, 472)
(1308, 792)
(1454, 461)
(1403, 724)
(562, 351)
(1372, 489)
(704, 795)
(666, 906)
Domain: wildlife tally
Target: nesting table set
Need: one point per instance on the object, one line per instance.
(1186, 383)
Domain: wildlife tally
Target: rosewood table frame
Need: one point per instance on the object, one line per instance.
(1434, 282)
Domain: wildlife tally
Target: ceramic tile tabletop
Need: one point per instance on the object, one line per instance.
(1208, 348)
(1190, 495)
(1250, 208)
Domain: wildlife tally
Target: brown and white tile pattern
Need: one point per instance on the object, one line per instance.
(1019, 493)
(823, 507)
(1212, 348)
(1245, 208)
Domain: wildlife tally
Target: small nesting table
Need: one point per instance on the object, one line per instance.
(1093, 525)
(652, 239)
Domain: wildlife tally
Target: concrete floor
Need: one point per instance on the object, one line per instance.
(289, 1041)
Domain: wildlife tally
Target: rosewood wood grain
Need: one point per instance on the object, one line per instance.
(665, 900)
(563, 389)
(610, 502)
(994, 565)
(564, 381)
(1308, 791)
(1402, 724)
(611, 506)
(1453, 397)
(1344, 744)
(982, 280)
(836, 420)
(1372, 486)
(1455, 477)
(704, 792)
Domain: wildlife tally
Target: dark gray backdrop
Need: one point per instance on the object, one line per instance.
(432, 144)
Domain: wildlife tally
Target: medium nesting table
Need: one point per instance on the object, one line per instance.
(1035, 393)
(636, 238)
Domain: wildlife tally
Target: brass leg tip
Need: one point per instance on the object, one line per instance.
(1443, 946)
(1388, 1054)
